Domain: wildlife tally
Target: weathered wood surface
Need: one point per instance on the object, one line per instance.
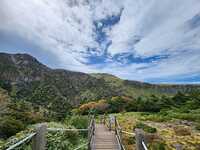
(39, 141)
(104, 139)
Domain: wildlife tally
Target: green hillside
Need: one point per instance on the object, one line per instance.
(26, 79)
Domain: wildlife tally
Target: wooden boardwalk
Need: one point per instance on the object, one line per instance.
(99, 137)
(104, 139)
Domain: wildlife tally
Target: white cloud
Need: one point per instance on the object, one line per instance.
(157, 22)
(62, 27)
(65, 28)
(186, 64)
(162, 26)
(55, 26)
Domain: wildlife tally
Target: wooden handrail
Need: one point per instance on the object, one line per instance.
(91, 130)
(81, 146)
(21, 142)
(138, 133)
(128, 133)
(39, 140)
(118, 132)
(65, 129)
(105, 122)
(144, 145)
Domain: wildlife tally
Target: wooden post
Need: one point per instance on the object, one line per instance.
(93, 127)
(104, 119)
(89, 135)
(39, 140)
(89, 142)
(121, 140)
(139, 137)
(91, 132)
(110, 125)
(115, 125)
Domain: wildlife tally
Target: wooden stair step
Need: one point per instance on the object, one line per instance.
(106, 146)
(104, 139)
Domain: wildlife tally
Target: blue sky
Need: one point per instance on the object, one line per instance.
(147, 40)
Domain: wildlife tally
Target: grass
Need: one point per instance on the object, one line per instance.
(165, 129)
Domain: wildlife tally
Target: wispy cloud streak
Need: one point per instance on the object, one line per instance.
(148, 40)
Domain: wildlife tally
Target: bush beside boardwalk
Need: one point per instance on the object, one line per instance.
(168, 133)
(55, 140)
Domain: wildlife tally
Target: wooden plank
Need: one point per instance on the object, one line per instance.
(21, 142)
(140, 139)
(39, 140)
(104, 139)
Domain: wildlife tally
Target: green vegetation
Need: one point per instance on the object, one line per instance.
(31, 93)
(16, 115)
(68, 140)
(158, 146)
(180, 106)
(145, 127)
(58, 90)
(169, 120)
(56, 140)
(160, 135)
(197, 127)
(9, 126)
(79, 122)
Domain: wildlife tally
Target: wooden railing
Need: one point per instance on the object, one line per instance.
(39, 140)
(113, 124)
(91, 130)
(118, 132)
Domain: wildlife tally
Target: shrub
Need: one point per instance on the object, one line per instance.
(156, 118)
(62, 140)
(185, 116)
(86, 108)
(58, 140)
(118, 104)
(145, 127)
(10, 126)
(99, 107)
(182, 131)
(197, 127)
(158, 146)
(5, 85)
(79, 122)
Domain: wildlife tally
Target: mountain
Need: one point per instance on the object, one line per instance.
(25, 78)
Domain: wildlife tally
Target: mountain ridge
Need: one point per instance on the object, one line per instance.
(24, 77)
(28, 56)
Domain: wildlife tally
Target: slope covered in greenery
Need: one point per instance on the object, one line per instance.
(52, 93)
(26, 79)
(183, 102)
